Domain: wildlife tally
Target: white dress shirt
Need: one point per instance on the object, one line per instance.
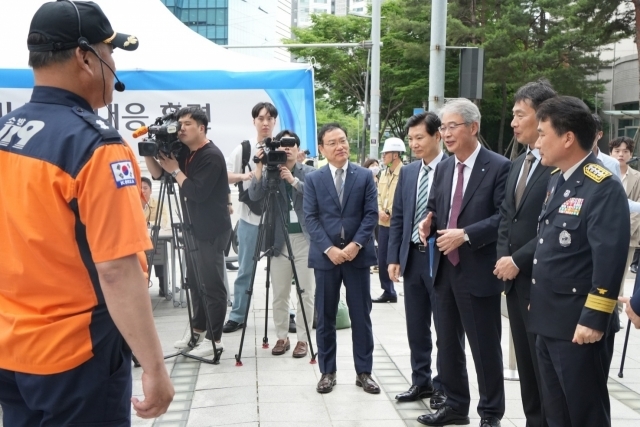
(469, 163)
(432, 165)
(536, 154)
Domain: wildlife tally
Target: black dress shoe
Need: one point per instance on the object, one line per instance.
(445, 416)
(437, 400)
(490, 422)
(231, 326)
(415, 392)
(367, 383)
(634, 269)
(326, 383)
(232, 267)
(384, 298)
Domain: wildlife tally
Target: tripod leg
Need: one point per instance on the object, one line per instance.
(624, 349)
(265, 338)
(256, 258)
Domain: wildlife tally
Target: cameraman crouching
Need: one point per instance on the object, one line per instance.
(201, 173)
(291, 189)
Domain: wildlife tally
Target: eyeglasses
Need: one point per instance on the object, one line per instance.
(450, 127)
(333, 144)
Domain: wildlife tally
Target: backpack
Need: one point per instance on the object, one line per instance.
(243, 196)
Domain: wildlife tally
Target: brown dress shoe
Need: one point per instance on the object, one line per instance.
(281, 347)
(326, 383)
(300, 350)
(367, 383)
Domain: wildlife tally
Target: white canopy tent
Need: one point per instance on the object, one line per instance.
(173, 66)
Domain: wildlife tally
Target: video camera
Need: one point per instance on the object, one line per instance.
(163, 137)
(272, 157)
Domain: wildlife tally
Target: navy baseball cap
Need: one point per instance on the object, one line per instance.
(58, 21)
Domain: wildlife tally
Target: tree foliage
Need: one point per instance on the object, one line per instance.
(523, 40)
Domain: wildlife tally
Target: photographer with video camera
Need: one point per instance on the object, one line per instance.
(199, 169)
(291, 176)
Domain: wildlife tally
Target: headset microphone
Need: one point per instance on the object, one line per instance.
(85, 46)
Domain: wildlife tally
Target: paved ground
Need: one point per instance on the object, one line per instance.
(279, 390)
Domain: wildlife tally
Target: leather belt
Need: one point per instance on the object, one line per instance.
(419, 246)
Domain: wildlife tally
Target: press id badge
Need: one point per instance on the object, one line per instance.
(293, 217)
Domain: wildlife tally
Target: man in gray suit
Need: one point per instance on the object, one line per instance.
(291, 188)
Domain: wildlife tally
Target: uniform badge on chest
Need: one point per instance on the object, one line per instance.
(565, 239)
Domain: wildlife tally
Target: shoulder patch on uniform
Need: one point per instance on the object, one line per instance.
(555, 170)
(107, 131)
(596, 172)
(123, 173)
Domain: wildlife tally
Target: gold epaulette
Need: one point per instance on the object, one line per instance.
(555, 170)
(598, 303)
(596, 172)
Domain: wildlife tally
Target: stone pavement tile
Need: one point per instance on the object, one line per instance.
(352, 393)
(624, 423)
(359, 411)
(229, 366)
(223, 380)
(289, 394)
(224, 396)
(513, 408)
(135, 421)
(519, 422)
(619, 411)
(286, 378)
(369, 423)
(285, 362)
(223, 415)
(291, 413)
(297, 423)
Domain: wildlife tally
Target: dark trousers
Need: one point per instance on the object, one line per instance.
(213, 297)
(458, 313)
(636, 257)
(524, 343)
(358, 290)
(96, 393)
(574, 382)
(383, 242)
(418, 303)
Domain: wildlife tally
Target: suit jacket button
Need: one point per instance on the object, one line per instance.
(515, 220)
(535, 261)
(541, 241)
(546, 222)
(564, 224)
(574, 290)
(533, 281)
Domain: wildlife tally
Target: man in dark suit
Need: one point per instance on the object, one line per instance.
(341, 211)
(464, 214)
(407, 256)
(525, 192)
(577, 267)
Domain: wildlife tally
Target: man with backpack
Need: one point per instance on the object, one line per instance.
(240, 167)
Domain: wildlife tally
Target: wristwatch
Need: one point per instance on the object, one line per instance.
(175, 173)
(466, 236)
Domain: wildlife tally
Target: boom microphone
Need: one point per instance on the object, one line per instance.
(633, 159)
(140, 131)
(84, 45)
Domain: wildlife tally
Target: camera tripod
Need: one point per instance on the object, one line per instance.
(187, 248)
(271, 213)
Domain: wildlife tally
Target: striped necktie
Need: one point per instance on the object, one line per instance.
(421, 203)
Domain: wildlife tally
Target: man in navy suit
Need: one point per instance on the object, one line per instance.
(526, 190)
(464, 214)
(341, 211)
(407, 256)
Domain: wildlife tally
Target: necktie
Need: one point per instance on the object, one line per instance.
(421, 203)
(339, 190)
(522, 184)
(561, 181)
(456, 206)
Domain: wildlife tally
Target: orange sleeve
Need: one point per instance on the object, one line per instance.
(108, 193)
(142, 259)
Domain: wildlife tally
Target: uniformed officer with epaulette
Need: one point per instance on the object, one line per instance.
(578, 266)
(73, 296)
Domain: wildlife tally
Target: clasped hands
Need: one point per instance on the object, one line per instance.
(449, 239)
(338, 256)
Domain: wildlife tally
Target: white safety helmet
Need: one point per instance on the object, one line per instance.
(393, 144)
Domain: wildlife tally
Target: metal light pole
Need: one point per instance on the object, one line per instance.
(437, 54)
(374, 124)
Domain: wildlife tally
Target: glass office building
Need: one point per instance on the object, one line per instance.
(209, 18)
